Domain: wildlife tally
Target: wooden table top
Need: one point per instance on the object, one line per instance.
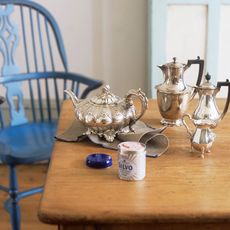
(179, 186)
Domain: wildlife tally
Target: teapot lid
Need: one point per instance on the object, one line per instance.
(174, 64)
(106, 97)
(207, 84)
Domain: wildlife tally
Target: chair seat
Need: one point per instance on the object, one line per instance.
(24, 141)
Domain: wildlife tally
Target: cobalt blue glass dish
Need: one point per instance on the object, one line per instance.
(99, 160)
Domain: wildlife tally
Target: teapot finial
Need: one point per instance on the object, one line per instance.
(106, 89)
(174, 60)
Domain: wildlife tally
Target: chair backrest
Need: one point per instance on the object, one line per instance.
(34, 63)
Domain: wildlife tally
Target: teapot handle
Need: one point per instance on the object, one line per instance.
(200, 62)
(143, 99)
(219, 85)
(185, 124)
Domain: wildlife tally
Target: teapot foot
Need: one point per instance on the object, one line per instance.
(191, 150)
(170, 122)
(202, 152)
(110, 135)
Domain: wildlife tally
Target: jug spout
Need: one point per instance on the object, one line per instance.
(162, 67)
(73, 97)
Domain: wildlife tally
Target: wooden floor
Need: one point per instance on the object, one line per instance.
(29, 176)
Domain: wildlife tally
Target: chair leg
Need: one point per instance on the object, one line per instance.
(14, 207)
(11, 204)
(15, 216)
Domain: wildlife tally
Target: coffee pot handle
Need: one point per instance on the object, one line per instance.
(219, 85)
(200, 62)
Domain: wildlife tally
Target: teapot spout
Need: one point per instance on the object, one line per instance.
(73, 97)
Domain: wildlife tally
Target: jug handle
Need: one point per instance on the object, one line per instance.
(143, 99)
(219, 85)
(200, 62)
(185, 124)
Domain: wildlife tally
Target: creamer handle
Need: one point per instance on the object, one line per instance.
(184, 123)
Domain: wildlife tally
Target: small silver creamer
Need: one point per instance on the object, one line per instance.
(202, 138)
(106, 114)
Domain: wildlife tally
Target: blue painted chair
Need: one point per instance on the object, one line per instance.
(2, 99)
(34, 75)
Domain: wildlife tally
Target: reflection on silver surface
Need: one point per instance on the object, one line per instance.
(172, 107)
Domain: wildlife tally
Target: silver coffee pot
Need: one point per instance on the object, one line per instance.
(202, 138)
(173, 95)
(207, 107)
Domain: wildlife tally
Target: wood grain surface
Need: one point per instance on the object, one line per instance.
(180, 187)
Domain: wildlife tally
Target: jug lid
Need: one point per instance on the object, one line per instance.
(106, 97)
(174, 64)
(207, 84)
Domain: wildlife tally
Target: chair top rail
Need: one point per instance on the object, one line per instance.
(91, 83)
(58, 75)
(51, 20)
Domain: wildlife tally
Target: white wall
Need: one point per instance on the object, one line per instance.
(188, 31)
(186, 36)
(105, 39)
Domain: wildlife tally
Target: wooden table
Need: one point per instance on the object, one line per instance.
(180, 191)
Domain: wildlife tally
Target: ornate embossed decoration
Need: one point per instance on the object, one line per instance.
(106, 114)
(8, 40)
(8, 43)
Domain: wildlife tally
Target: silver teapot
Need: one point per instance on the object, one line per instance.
(173, 95)
(202, 138)
(207, 107)
(107, 114)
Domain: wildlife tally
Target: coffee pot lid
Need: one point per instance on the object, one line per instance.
(174, 64)
(207, 84)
